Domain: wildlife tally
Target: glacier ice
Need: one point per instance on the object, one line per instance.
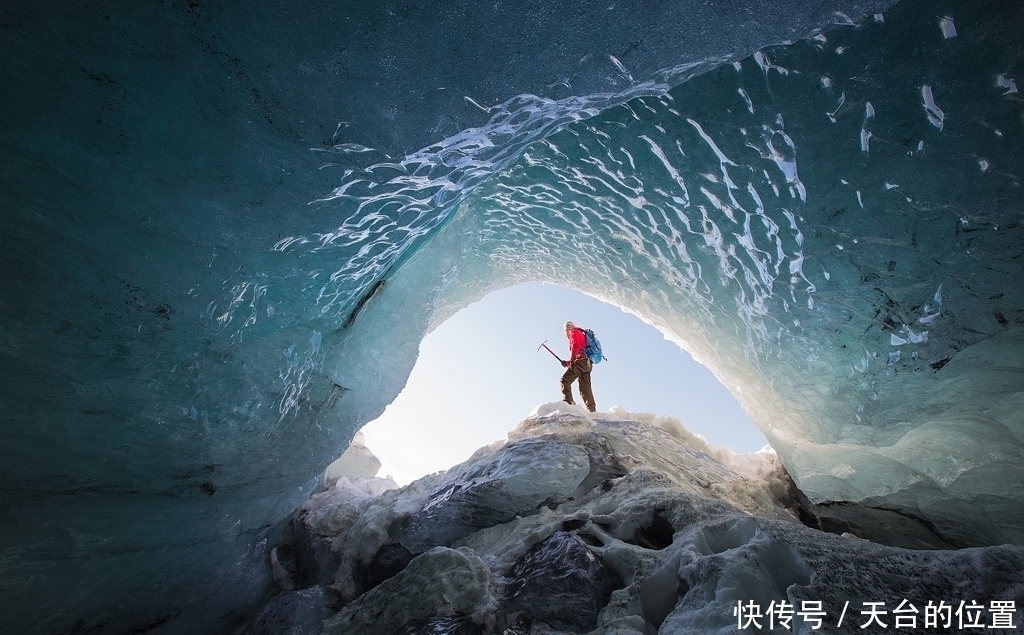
(223, 231)
(657, 536)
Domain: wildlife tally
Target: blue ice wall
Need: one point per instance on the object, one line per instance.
(212, 218)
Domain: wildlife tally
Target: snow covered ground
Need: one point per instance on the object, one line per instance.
(614, 523)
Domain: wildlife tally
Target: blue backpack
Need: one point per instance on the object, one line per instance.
(593, 348)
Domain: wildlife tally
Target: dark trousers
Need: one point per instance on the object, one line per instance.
(579, 369)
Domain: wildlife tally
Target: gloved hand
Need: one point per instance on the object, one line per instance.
(565, 363)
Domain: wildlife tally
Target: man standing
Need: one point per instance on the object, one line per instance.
(578, 366)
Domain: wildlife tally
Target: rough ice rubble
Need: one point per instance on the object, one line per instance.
(601, 523)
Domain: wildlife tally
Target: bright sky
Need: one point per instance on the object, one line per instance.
(480, 373)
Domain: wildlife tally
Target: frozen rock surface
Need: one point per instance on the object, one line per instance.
(686, 545)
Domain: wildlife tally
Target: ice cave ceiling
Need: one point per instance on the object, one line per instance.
(217, 221)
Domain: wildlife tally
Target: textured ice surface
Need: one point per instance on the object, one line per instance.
(823, 226)
(659, 537)
(223, 230)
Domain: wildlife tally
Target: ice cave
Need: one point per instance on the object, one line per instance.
(226, 227)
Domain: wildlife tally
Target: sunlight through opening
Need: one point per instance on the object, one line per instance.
(481, 372)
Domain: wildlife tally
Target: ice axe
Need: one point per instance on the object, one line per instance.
(544, 345)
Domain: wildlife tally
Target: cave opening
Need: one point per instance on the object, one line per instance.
(482, 371)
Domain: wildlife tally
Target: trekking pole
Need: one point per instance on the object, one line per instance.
(544, 345)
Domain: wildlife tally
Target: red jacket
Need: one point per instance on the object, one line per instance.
(577, 342)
